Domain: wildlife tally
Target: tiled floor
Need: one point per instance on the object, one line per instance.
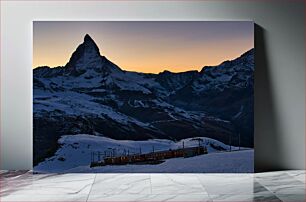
(273, 186)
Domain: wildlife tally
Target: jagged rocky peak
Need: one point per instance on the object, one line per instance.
(244, 61)
(86, 56)
(88, 39)
(90, 45)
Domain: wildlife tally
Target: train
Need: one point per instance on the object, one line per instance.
(152, 157)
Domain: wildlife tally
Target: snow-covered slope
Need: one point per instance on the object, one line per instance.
(92, 95)
(74, 155)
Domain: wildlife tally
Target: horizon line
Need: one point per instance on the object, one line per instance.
(165, 70)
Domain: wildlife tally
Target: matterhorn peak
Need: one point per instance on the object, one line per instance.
(86, 56)
(88, 39)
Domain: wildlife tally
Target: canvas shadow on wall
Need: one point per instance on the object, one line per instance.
(173, 97)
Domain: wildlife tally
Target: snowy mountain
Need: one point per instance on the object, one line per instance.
(74, 155)
(92, 95)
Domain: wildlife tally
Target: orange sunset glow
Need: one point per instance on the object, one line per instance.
(149, 47)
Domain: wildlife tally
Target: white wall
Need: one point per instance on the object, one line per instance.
(279, 74)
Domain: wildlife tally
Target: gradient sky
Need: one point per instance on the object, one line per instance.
(145, 46)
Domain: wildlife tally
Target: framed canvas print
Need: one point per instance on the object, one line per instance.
(143, 96)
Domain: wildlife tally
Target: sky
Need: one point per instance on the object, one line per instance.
(145, 46)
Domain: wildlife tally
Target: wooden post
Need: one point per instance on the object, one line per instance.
(239, 141)
(230, 143)
(184, 154)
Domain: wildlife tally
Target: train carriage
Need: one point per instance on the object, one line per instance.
(155, 156)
